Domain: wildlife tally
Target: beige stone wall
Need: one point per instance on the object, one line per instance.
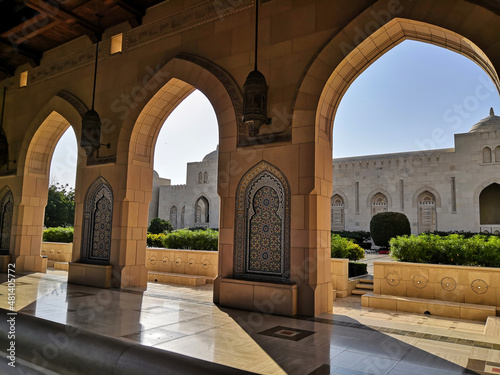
(474, 285)
(340, 276)
(57, 251)
(189, 262)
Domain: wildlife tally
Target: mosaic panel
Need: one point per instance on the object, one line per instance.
(97, 223)
(7, 210)
(262, 234)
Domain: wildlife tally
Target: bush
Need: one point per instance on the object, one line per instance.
(454, 249)
(387, 225)
(207, 239)
(345, 248)
(358, 236)
(357, 269)
(58, 234)
(158, 225)
(155, 240)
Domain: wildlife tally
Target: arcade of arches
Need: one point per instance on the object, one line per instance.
(275, 186)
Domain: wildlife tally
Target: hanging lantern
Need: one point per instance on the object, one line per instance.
(91, 122)
(255, 92)
(4, 145)
(91, 132)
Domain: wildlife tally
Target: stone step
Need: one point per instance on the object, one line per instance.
(366, 281)
(360, 292)
(63, 266)
(176, 278)
(364, 286)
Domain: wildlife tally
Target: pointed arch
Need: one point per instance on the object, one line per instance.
(173, 217)
(97, 223)
(339, 62)
(486, 155)
(59, 113)
(371, 197)
(421, 190)
(338, 212)
(427, 220)
(489, 205)
(262, 234)
(201, 211)
(169, 86)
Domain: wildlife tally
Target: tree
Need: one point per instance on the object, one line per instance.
(60, 209)
(387, 225)
(159, 225)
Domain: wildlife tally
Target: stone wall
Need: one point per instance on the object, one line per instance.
(57, 251)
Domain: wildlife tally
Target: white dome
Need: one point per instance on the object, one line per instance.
(490, 123)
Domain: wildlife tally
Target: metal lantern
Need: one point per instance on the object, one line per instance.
(91, 132)
(255, 102)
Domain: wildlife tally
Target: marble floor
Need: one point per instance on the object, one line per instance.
(352, 340)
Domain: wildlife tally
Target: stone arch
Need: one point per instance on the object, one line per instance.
(205, 177)
(375, 191)
(97, 223)
(262, 213)
(423, 189)
(6, 218)
(489, 205)
(497, 154)
(201, 211)
(344, 197)
(60, 112)
(183, 216)
(176, 80)
(319, 85)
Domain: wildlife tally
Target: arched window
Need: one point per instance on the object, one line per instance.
(379, 203)
(486, 155)
(200, 178)
(97, 223)
(201, 208)
(6, 211)
(426, 212)
(338, 222)
(183, 213)
(489, 205)
(173, 217)
(205, 177)
(497, 154)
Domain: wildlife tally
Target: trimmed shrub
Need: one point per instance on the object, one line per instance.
(195, 240)
(357, 269)
(58, 234)
(454, 249)
(358, 236)
(345, 248)
(155, 240)
(158, 225)
(387, 225)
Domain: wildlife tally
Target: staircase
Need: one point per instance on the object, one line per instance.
(363, 286)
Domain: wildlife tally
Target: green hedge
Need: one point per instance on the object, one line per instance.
(197, 240)
(387, 225)
(454, 249)
(357, 269)
(346, 248)
(155, 240)
(357, 236)
(58, 234)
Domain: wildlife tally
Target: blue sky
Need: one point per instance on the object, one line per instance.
(415, 97)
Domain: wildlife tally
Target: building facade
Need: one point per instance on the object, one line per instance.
(194, 204)
(445, 189)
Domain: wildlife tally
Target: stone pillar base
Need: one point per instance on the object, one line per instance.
(31, 263)
(133, 276)
(4, 263)
(90, 274)
(268, 298)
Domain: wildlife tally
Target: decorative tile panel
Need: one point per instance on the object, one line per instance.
(262, 234)
(97, 223)
(6, 211)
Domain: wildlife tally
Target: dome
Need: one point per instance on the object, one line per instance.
(490, 123)
(155, 174)
(212, 155)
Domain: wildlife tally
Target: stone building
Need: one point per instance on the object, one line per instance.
(444, 189)
(194, 204)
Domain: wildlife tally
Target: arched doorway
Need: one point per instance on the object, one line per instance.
(201, 212)
(338, 214)
(489, 208)
(427, 212)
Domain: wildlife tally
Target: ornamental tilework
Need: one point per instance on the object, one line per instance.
(262, 235)
(97, 223)
(6, 212)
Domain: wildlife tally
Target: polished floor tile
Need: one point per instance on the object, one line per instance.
(352, 340)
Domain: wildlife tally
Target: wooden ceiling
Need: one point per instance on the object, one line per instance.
(28, 28)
